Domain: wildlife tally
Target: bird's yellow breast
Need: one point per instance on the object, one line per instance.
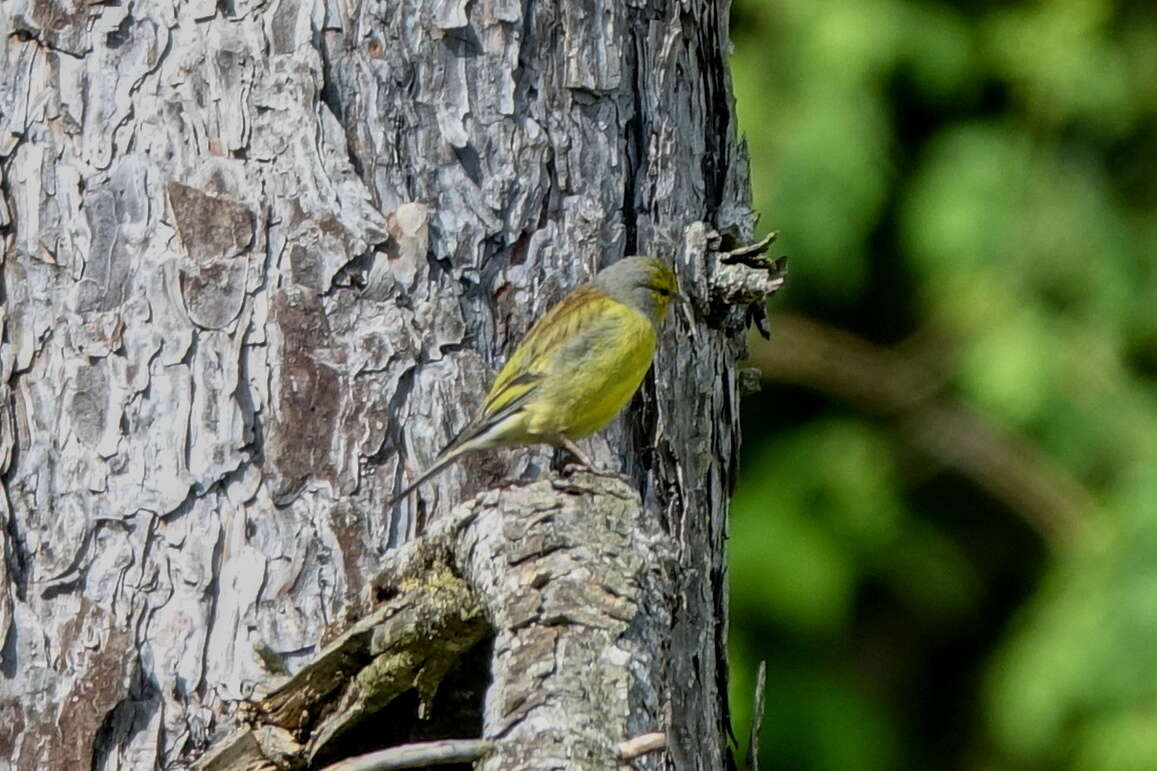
(576, 369)
(595, 374)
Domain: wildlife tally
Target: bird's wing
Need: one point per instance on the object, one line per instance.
(533, 358)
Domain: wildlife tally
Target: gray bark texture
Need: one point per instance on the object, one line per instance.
(260, 261)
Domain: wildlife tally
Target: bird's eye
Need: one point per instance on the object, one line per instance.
(663, 291)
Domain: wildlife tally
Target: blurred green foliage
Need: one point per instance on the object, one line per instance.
(975, 184)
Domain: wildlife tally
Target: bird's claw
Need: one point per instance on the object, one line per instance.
(572, 468)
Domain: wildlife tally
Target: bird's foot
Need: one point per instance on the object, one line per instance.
(572, 468)
(584, 463)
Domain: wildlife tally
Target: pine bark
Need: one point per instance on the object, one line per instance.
(260, 260)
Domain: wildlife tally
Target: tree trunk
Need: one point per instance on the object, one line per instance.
(260, 262)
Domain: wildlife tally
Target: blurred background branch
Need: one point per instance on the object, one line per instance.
(891, 384)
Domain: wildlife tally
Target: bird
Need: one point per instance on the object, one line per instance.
(576, 369)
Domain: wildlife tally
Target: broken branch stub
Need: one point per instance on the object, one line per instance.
(407, 643)
(730, 287)
(571, 576)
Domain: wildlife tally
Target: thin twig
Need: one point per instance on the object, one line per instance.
(756, 718)
(464, 751)
(751, 250)
(417, 755)
(641, 745)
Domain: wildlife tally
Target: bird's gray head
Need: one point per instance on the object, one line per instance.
(646, 284)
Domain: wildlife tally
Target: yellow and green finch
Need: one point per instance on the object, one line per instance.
(577, 367)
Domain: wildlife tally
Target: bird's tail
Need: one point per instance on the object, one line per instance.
(445, 458)
(488, 431)
(472, 437)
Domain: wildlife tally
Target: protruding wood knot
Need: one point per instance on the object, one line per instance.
(746, 276)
